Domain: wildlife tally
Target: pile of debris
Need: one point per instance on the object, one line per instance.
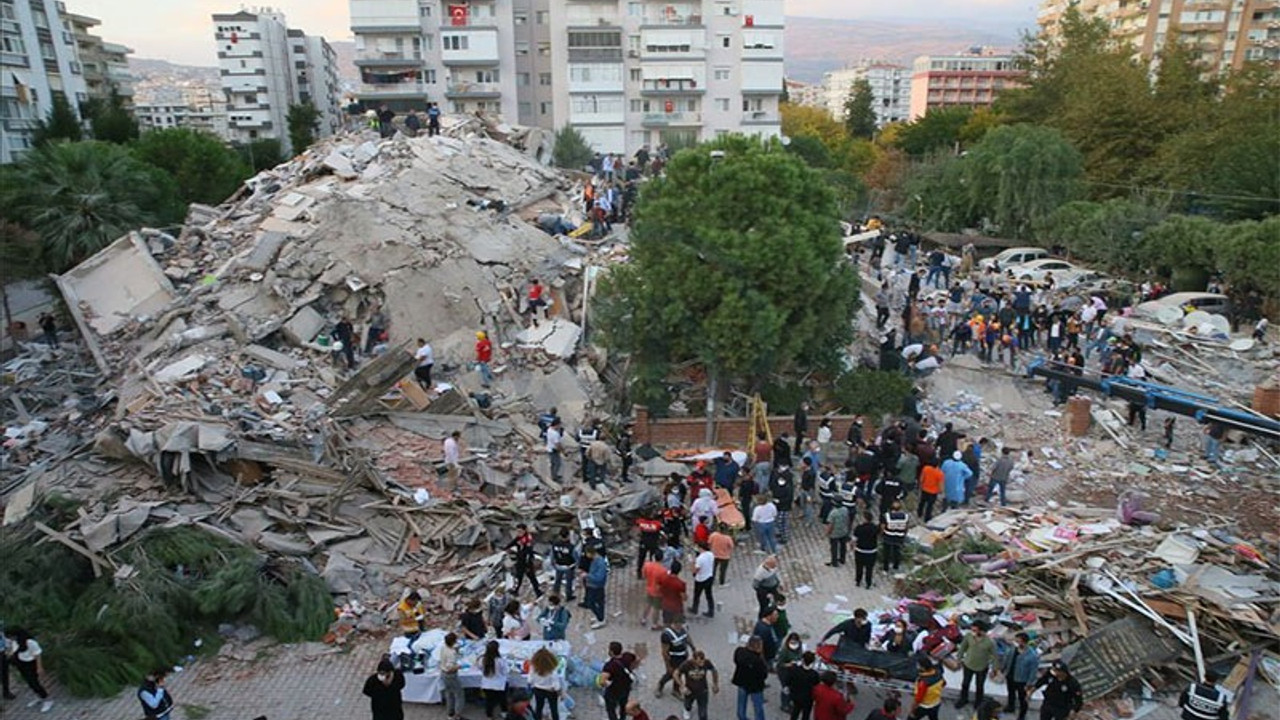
(219, 375)
(1114, 596)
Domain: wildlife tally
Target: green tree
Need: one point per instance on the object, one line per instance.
(1019, 174)
(937, 130)
(1248, 255)
(746, 294)
(303, 119)
(19, 250)
(860, 111)
(202, 168)
(79, 197)
(811, 149)
(571, 151)
(934, 196)
(111, 121)
(1110, 234)
(261, 154)
(1184, 247)
(62, 123)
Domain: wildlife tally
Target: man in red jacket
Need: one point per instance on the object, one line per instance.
(484, 354)
(828, 702)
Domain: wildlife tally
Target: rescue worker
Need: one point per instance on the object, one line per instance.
(894, 527)
(848, 494)
(1203, 700)
(828, 490)
(1062, 693)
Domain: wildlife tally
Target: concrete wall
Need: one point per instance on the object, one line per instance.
(730, 432)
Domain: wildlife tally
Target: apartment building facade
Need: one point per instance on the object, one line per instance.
(890, 89)
(105, 64)
(971, 80)
(205, 118)
(625, 73)
(265, 67)
(38, 59)
(1224, 33)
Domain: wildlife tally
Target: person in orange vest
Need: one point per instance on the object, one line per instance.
(588, 198)
(931, 480)
(484, 354)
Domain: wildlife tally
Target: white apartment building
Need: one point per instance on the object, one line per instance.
(265, 68)
(105, 64)
(315, 68)
(38, 59)
(207, 118)
(890, 89)
(625, 73)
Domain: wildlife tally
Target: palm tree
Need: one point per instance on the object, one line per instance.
(79, 197)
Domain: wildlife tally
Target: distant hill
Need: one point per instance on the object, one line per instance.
(816, 45)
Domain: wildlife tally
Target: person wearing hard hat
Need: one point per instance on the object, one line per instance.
(484, 354)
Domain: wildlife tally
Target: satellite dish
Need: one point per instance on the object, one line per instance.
(1241, 344)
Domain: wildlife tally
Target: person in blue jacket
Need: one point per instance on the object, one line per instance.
(954, 476)
(1020, 665)
(597, 576)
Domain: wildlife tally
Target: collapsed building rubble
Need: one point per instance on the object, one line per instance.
(220, 378)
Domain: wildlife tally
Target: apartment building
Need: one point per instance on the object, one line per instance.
(38, 60)
(890, 89)
(315, 71)
(205, 118)
(803, 93)
(625, 73)
(1224, 33)
(971, 79)
(265, 68)
(105, 64)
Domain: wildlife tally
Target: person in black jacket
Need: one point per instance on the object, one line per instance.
(800, 423)
(1062, 693)
(781, 452)
(1203, 700)
(801, 681)
(782, 486)
(855, 631)
(383, 689)
(749, 675)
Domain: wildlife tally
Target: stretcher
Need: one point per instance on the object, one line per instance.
(730, 513)
(859, 667)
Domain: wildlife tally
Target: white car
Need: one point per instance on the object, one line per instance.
(1064, 273)
(1014, 256)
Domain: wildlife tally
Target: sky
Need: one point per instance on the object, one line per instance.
(181, 30)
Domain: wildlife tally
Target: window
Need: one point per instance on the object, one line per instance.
(726, 41)
(593, 104)
(722, 73)
(426, 10)
(635, 75)
(429, 42)
(544, 108)
(593, 39)
(522, 48)
(525, 109)
(13, 44)
(453, 42)
(638, 105)
(47, 52)
(541, 18)
(544, 79)
(487, 76)
(635, 9)
(722, 104)
(522, 79)
(429, 76)
(41, 20)
(544, 49)
(600, 72)
(520, 18)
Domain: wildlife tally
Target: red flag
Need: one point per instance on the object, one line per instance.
(234, 38)
(457, 15)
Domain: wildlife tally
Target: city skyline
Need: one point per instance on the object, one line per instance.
(179, 32)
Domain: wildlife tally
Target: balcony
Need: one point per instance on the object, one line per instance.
(389, 90)
(389, 59)
(760, 117)
(473, 90)
(681, 86)
(672, 19)
(762, 52)
(671, 119)
(20, 124)
(599, 117)
(590, 55)
(470, 46)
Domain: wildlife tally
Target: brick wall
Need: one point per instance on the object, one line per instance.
(729, 432)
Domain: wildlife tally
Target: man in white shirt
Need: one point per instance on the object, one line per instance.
(452, 455)
(704, 571)
(426, 360)
(554, 434)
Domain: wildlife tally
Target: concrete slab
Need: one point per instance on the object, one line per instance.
(340, 165)
(181, 369)
(120, 282)
(303, 327)
(272, 357)
(560, 389)
(558, 337)
(265, 250)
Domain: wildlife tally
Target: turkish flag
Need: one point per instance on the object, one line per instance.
(457, 15)
(234, 38)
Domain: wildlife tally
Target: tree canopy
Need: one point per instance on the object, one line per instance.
(203, 169)
(571, 150)
(110, 121)
(62, 123)
(303, 119)
(79, 197)
(736, 263)
(859, 111)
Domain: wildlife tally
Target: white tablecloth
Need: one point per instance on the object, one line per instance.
(425, 687)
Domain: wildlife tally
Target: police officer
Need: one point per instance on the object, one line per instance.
(890, 490)
(848, 494)
(1203, 700)
(828, 489)
(893, 526)
(1062, 693)
(564, 560)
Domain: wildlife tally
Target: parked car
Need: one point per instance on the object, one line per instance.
(1014, 256)
(1064, 273)
(1185, 301)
